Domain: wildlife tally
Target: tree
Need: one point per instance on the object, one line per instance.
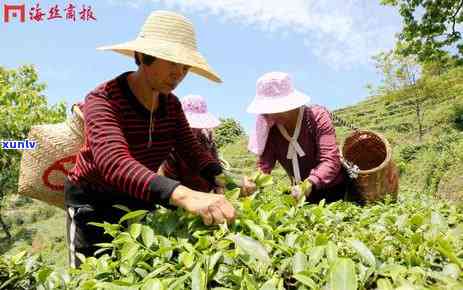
(22, 105)
(431, 28)
(397, 71)
(401, 80)
(228, 132)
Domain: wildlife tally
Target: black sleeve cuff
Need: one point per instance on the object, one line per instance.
(161, 189)
(210, 171)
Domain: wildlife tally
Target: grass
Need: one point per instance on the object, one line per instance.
(37, 227)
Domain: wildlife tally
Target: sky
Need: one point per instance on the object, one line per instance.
(325, 46)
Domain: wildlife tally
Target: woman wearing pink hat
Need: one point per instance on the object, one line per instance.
(202, 122)
(301, 138)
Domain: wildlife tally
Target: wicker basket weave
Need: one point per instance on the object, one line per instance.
(43, 170)
(378, 175)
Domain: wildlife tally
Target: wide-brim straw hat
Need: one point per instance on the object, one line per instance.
(169, 36)
(275, 93)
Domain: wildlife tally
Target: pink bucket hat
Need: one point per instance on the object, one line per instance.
(275, 93)
(195, 109)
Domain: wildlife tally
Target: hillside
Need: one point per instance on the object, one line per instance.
(382, 244)
(434, 164)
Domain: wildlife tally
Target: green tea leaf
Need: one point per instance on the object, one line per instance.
(299, 262)
(315, 255)
(452, 270)
(114, 286)
(384, 284)
(290, 239)
(43, 274)
(144, 265)
(213, 260)
(198, 278)
(178, 284)
(252, 247)
(165, 268)
(16, 259)
(202, 243)
(135, 230)
(305, 186)
(331, 252)
(141, 272)
(392, 270)
(125, 268)
(153, 284)
(256, 230)
(233, 194)
(165, 247)
(129, 250)
(264, 180)
(438, 221)
(248, 283)
(122, 207)
(95, 224)
(417, 220)
(446, 249)
(122, 239)
(99, 251)
(363, 251)
(138, 214)
(271, 284)
(321, 240)
(307, 281)
(186, 259)
(147, 235)
(342, 275)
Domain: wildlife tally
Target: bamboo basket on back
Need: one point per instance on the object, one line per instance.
(377, 175)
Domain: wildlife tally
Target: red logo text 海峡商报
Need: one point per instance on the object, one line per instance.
(36, 13)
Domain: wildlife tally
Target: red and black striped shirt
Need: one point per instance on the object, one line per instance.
(176, 168)
(115, 157)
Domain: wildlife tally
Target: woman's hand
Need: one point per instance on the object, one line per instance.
(247, 187)
(213, 208)
(302, 189)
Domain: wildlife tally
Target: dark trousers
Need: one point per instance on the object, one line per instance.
(332, 194)
(81, 210)
(345, 190)
(83, 237)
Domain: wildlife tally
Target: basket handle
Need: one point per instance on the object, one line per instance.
(343, 122)
(75, 109)
(351, 168)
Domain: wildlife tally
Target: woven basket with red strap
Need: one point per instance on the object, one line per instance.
(43, 170)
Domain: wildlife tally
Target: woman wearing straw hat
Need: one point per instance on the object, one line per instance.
(202, 122)
(132, 123)
(301, 138)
